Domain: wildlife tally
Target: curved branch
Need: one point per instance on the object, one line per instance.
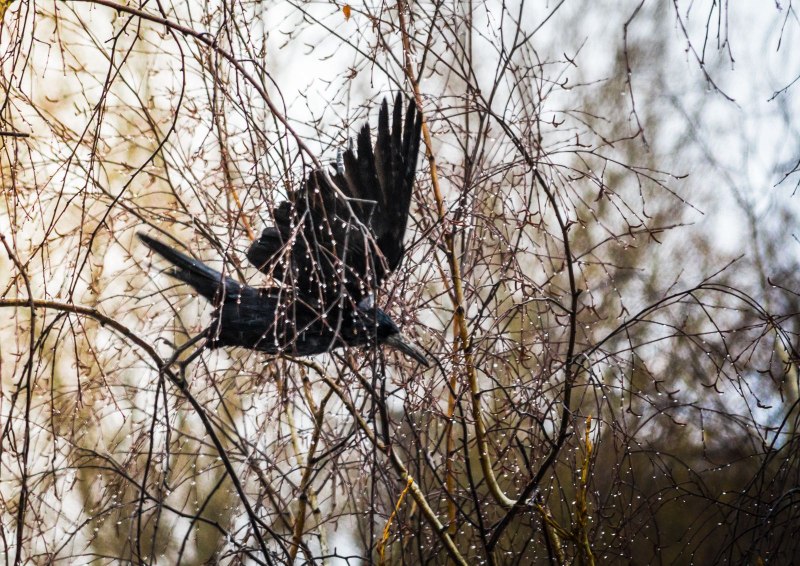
(176, 381)
(460, 326)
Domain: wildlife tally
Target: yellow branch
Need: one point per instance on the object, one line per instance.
(386, 529)
(586, 558)
(459, 319)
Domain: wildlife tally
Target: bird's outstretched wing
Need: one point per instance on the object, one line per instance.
(344, 231)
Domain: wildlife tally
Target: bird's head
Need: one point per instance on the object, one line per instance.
(380, 325)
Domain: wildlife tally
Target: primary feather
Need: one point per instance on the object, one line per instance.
(344, 232)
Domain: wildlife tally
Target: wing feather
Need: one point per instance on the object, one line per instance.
(344, 231)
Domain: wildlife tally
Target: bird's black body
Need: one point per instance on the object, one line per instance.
(333, 243)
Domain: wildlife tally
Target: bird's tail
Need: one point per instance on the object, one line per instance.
(210, 283)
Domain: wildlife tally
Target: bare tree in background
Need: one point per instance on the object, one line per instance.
(610, 386)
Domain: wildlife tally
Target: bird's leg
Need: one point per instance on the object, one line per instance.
(181, 349)
(178, 351)
(183, 364)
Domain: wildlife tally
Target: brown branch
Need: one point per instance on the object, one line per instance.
(522, 500)
(176, 381)
(26, 439)
(460, 327)
(419, 497)
(307, 494)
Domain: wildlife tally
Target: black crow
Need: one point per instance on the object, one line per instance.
(333, 243)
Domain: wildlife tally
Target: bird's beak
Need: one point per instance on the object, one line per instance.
(403, 344)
